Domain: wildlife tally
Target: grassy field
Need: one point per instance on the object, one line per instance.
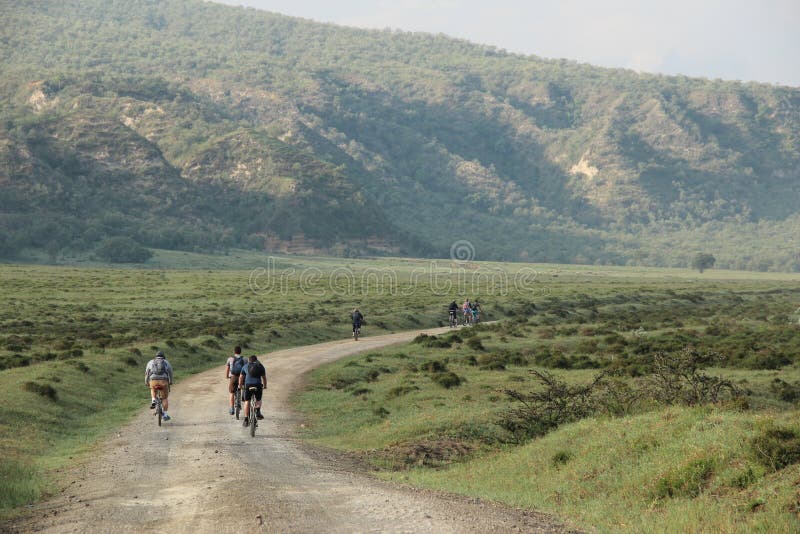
(74, 340)
(436, 412)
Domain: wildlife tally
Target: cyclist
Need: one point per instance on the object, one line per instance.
(453, 313)
(159, 373)
(357, 318)
(232, 371)
(476, 311)
(253, 375)
(467, 309)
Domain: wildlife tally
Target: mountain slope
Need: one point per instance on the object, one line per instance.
(339, 136)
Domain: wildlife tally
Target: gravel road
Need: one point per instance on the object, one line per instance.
(202, 472)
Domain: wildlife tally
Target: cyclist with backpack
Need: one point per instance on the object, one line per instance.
(357, 318)
(467, 309)
(158, 374)
(253, 375)
(453, 314)
(233, 368)
(476, 312)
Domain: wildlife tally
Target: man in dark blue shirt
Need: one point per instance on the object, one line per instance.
(253, 375)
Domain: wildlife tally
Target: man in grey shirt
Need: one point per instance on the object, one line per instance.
(158, 375)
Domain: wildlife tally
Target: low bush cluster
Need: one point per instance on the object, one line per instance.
(675, 379)
(44, 390)
(776, 447)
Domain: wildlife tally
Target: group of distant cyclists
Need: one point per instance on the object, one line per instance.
(249, 374)
(470, 311)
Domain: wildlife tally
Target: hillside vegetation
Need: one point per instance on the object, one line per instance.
(195, 126)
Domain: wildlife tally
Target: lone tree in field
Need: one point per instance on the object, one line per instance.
(703, 261)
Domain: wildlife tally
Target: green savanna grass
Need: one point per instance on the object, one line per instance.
(196, 307)
(610, 479)
(617, 470)
(674, 469)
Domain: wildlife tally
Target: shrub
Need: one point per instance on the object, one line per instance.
(434, 366)
(432, 341)
(399, 391)
(122, 250)
(542, 411)
(744, 478)
(560, 458)
(491, 362)
(447, 379)
(44, 390)
(766, 359)
(475, 343)
(381, 412)
(211, 344)
(785, 391)
(776, 447)
(80, 366)
(676, 379)
(688, 481)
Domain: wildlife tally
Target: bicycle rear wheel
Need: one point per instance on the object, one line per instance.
(252, 421)
(238, 402)
(159, 410)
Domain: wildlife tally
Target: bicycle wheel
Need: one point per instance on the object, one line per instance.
(238, 403)
(159, 410)
(252, 421)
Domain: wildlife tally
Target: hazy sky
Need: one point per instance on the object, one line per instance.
(730, 39)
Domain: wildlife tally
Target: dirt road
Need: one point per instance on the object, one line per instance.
(202, 472)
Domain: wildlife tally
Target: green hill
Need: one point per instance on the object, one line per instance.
(192, 125)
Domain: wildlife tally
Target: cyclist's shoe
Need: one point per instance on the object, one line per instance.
(230, 411)
(166, 417)
(244, 423)
(259, 416)
(152, 405)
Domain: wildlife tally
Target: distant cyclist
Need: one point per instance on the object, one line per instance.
(232, 371)
(159, 373)
(467, 309)
(357, 318)
(476, 311)
(453, 313)
(253, 375)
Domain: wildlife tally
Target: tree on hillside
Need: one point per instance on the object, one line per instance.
(123, 250)
(702, 261)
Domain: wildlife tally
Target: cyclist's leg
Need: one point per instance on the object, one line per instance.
(165, 396)
(232, 388)
(246, 402)
(164, 387)
(257, 402)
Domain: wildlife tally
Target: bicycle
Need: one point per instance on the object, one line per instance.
(237, 401)
(252, 420)
(159, 407)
